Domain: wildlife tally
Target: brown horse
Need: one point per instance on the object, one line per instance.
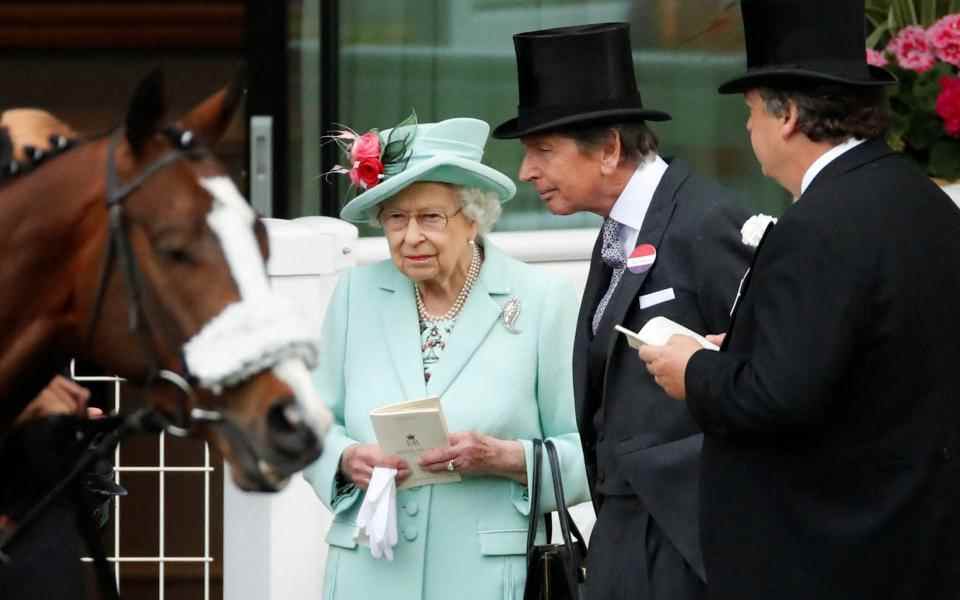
(135, 252)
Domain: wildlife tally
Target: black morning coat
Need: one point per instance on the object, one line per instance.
(637, 441)
(832, 414)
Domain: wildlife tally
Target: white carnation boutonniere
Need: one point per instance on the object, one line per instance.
(754, 228)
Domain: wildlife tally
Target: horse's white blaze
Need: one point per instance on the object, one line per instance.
(261, 331)
(295, 374)
(231, 219)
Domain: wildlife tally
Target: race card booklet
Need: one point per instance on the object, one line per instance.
(408, 429)
(657, 332)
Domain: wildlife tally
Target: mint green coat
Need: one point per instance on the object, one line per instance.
(466, 540)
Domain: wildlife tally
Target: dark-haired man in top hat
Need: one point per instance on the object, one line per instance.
(831, 462)
(670, 245)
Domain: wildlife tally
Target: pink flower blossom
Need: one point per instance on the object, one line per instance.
(944, 36)
(912, 49)
(948, 105)
(876, 59)
(365, 146)
(366, 172)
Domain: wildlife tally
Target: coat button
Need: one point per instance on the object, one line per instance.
(410, 533)
(411, 508)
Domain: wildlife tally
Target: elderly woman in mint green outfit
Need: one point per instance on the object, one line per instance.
(431, 322)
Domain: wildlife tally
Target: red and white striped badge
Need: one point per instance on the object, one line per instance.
(642, 258)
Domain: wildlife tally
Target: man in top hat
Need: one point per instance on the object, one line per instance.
(670, 245)
(832, 417)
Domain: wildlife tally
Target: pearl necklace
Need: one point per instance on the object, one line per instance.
(472, 274)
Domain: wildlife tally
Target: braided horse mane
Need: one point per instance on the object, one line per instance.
(28, 137)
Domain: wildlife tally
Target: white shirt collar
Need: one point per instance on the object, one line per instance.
(825, 159)
(634, 201)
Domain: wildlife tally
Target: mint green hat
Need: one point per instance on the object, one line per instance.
(448, 152)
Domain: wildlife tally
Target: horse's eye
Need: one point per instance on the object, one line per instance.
(177, 255)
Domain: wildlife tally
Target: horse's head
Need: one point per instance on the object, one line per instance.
(184, 299)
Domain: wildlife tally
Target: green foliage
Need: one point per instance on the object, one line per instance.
(945, 159)
(396, 147)
(889, 16)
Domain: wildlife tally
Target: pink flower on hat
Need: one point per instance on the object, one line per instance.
(912, 49)
(365, 146)
(944, 36)
(366, 173)
(876, 59)
(369, 154)
(948, 104)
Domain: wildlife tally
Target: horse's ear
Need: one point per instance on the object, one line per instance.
(209, 120)
(146, 111)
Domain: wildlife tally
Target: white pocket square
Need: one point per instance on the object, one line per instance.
(654, 298)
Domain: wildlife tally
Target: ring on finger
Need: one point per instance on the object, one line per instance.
(451, 466)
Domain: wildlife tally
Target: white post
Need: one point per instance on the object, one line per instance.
(273, 543)
(953, 190)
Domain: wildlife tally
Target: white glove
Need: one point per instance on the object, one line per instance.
(377, 517)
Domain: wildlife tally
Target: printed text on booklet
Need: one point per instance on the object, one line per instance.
(408, 429)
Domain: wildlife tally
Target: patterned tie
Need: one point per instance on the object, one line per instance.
(611, 252)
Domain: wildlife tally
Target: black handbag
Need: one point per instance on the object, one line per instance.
(554, 571)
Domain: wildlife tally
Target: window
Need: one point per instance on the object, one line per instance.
(448, 58)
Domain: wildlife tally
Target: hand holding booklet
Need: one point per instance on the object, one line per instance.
(408, 429)
(657, 332)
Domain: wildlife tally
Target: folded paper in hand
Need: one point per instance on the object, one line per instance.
(408, 429)
(377, 517)
(657, 332)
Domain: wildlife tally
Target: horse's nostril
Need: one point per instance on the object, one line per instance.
(284, 417)
(289, 433)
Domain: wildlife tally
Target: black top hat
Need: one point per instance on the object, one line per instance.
(575, 75)
(806, 42)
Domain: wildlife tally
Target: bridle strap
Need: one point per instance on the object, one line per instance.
(117, 193)
(119, 249)
(119, 240)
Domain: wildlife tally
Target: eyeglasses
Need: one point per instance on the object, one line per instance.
(432, 221)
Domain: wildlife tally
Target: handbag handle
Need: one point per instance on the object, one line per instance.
(567, 525)
(534, 495)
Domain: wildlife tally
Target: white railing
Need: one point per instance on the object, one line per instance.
(161, 559)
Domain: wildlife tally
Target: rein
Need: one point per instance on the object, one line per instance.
(104, 434)
(120, 249)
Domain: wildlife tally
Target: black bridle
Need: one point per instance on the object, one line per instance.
(119, 249)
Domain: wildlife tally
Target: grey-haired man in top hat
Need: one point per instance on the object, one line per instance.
(832, 417)
(670, 245)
